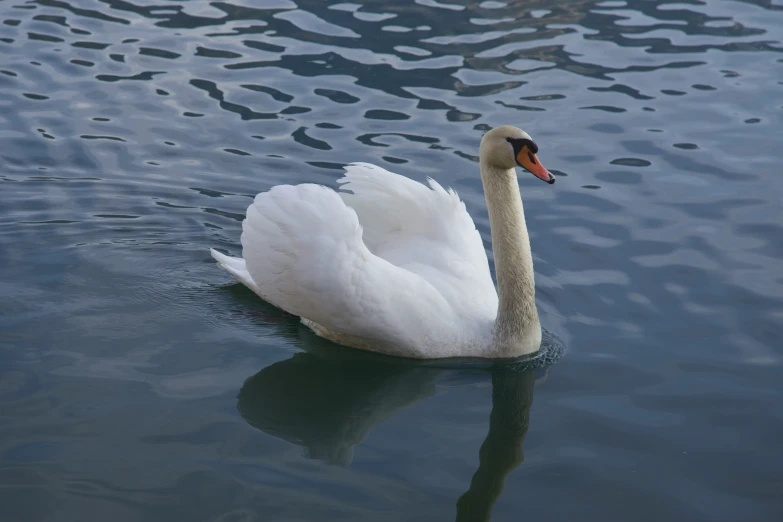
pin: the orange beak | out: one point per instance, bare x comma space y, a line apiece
529, 161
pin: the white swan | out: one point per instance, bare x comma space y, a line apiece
397, 267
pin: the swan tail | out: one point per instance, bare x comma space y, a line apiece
236, 267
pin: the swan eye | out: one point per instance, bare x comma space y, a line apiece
518, 143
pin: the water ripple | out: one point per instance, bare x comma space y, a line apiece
135, 134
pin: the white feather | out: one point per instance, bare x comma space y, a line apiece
401, 270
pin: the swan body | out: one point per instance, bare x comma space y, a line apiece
394, 266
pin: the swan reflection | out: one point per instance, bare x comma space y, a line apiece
328, 405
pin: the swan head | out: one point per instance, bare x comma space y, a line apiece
506, 147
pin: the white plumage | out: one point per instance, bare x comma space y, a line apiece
387, 264
411, 278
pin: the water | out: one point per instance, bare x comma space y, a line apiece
138, 383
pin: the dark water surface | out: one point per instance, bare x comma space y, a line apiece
138, 383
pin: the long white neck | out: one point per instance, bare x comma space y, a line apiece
517, 330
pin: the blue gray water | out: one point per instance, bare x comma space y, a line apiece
139, 383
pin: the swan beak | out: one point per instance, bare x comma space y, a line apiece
529, 161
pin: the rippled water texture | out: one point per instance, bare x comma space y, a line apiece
138, 383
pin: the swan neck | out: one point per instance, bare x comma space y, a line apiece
517, 329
